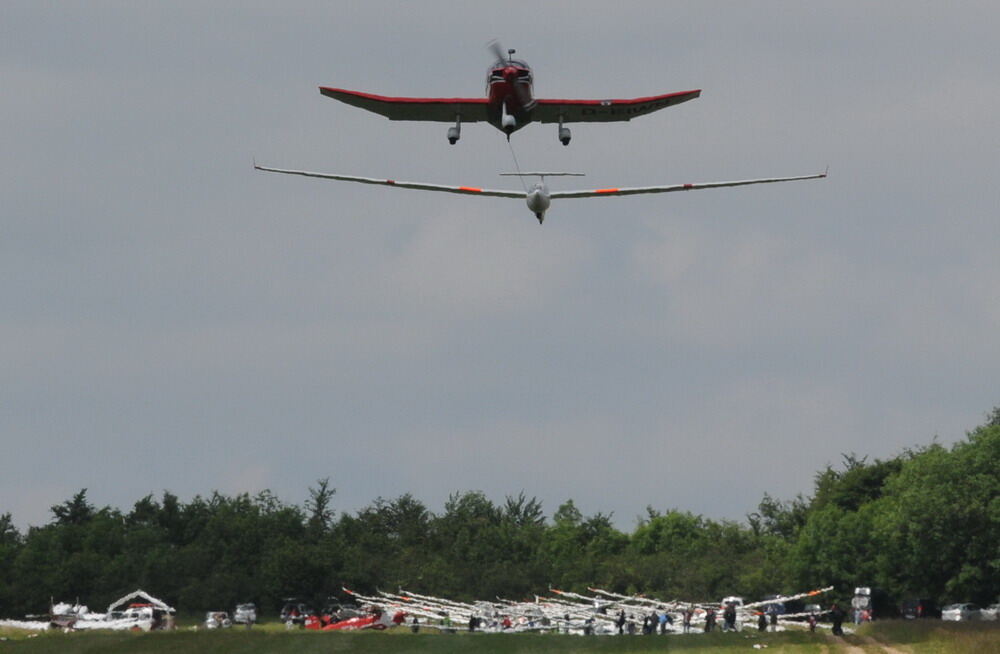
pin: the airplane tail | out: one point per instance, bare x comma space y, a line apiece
542, 174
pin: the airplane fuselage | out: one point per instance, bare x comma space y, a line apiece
539, 200
509, 93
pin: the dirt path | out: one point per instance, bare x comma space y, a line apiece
869, 643
889, 649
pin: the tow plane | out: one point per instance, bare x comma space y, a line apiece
509, 104
538, 197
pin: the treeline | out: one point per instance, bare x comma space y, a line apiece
923, 524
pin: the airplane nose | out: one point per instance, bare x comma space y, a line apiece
509, 73
538, 201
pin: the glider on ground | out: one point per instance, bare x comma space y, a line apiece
509, 104
538, 197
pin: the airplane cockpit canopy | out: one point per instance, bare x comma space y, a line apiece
503, 63
495, 71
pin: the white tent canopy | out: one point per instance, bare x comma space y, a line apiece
145, 598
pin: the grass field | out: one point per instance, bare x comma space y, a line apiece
933, 637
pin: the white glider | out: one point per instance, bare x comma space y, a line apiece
538, 197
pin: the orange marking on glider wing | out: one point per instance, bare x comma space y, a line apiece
606, 190
471, 189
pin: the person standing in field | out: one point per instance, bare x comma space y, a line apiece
729, 617
837, 617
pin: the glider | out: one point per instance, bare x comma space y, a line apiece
538, 197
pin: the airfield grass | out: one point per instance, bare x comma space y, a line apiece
932, 637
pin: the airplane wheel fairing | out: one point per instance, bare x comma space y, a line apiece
564, 135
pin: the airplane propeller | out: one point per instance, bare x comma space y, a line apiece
497, 51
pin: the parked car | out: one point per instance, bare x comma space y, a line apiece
961, 612
217, 620
295, 612
873, 603
335, 611
245, 613
919, 608
138, 612
777, 606
990, 612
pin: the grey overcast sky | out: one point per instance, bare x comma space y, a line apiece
171, 319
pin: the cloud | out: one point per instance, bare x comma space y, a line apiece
159, 295
729, 288
469, 265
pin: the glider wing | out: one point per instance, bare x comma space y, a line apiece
675, 187
463, 190
429, 109
605, 111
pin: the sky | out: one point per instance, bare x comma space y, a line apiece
171, 319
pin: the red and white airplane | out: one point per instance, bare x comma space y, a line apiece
509, 104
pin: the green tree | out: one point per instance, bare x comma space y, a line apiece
939, 523
319, 508
75, 511
10, 546
781, 519
859, 482
836, 547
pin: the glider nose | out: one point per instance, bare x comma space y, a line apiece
538, 202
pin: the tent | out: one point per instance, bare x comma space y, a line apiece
140, 596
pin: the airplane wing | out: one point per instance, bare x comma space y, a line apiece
431, 109
675, 187
464, 190
603, 111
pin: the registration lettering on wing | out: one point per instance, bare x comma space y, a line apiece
608, 108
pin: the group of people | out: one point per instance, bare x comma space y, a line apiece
493, 622
661, 621
656, 621
766, 620
728, 618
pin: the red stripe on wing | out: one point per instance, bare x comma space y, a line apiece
332, 92
693, 94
